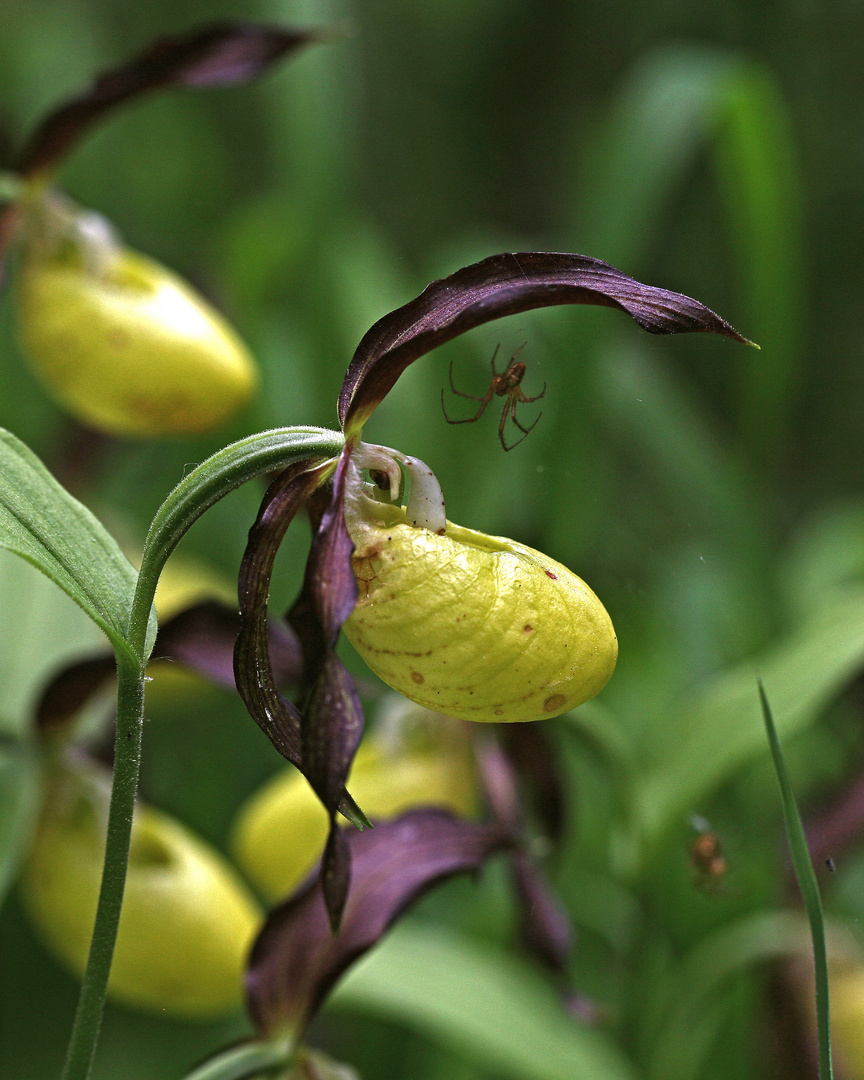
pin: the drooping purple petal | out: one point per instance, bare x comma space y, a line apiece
499, 786
203, 637
332, 717
544, 928
332, 729
219, 54
505, 285
253, 669
543, 925
296, 959
329, 588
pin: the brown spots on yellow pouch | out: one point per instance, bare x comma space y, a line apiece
118, 338
364, 570
494, 643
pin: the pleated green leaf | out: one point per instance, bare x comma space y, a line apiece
42, 523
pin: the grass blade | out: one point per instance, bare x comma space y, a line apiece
809, 889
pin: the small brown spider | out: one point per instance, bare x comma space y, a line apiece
507, 384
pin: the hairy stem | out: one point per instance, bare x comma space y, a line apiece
127, 760
196, 493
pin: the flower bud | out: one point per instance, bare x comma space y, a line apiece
187, 922
281, 831
473, 626
125, 345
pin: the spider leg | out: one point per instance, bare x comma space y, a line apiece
527, 400
501, 424
515, 354
494, 354
469, 420
471, 397
510, 410
516, 422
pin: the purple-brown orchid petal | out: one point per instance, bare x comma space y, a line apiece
543, 925
502, 285
253, 669
544, 928
500, 787
296, 959
202, 638
219, 54
329, 590
330, 720
332, 723
332, 727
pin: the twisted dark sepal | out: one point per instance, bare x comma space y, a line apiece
219, 54
505, 285
296, 959
278, 718
544, 928
321, 734
332, 717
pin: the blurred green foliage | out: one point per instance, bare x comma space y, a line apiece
711, 495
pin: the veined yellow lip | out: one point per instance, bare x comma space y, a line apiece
474, 626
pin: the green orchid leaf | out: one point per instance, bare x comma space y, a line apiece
42, 523
489, 1007
41, 631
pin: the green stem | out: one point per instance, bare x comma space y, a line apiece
197, 492
127, 758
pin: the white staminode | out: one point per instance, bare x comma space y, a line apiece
425, 506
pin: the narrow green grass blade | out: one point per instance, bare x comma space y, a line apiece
809, 889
